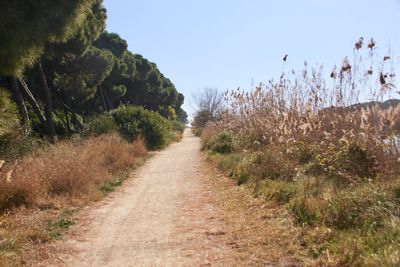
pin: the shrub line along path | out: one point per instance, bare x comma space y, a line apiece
165, 215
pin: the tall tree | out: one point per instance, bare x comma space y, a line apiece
25, 28
8, 112
23, 112
27, 25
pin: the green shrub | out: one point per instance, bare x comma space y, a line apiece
305, 210
18, 143
99, 125
273, 165
177, 126
303, 152
345, 163
136, 121
221, 143
226, 162
364, 207
355, 160
280, 191
8, 112
267, 164
372, 247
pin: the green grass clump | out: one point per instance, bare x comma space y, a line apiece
111, 185
221, 143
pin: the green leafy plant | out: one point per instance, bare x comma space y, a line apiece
99, 125
221, 143
137, 121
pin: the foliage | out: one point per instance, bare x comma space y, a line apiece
309, 146
177, 126
8, 112
200, 121
81, 77
348, 162
101, 124
17, 143
134, 122
209, 105
88, 70
27, 27
221, 143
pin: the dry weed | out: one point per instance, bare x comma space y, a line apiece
71, 168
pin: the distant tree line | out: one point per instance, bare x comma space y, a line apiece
60, 66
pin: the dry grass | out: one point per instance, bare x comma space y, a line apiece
305, 108
311, 149
207, 134
264, 233
313, 219
43, 187
71, 167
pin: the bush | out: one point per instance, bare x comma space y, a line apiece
136, 121
207, 133
18, 143
15, 194
305, 210
275, 166
365, 207
200, 121
221, 143
99, 125
355, 161
346, 163
177, 126
70, 167
280, 191
8, 112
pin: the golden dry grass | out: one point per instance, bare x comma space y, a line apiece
264, 232
322, 160
38, 199
207, 133
71, 167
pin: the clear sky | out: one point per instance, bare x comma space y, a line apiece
230, 43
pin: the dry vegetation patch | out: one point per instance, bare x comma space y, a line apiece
264, 233
307, 145
40, 192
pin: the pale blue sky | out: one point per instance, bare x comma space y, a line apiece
228, 43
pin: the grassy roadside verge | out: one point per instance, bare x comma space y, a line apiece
308, 221
46, 188
264, 234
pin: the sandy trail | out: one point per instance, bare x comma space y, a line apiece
164, 215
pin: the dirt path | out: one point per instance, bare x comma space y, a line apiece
163, 216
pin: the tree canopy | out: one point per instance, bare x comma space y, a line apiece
62, 66
27, 25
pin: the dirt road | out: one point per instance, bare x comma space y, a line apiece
164, 215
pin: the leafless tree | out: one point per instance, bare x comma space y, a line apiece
209, 100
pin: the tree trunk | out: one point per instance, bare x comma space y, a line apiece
65, 100
75, 120
49, 105
31, 99
103, 99
77, 124
110, 105
67, 120
23, 112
